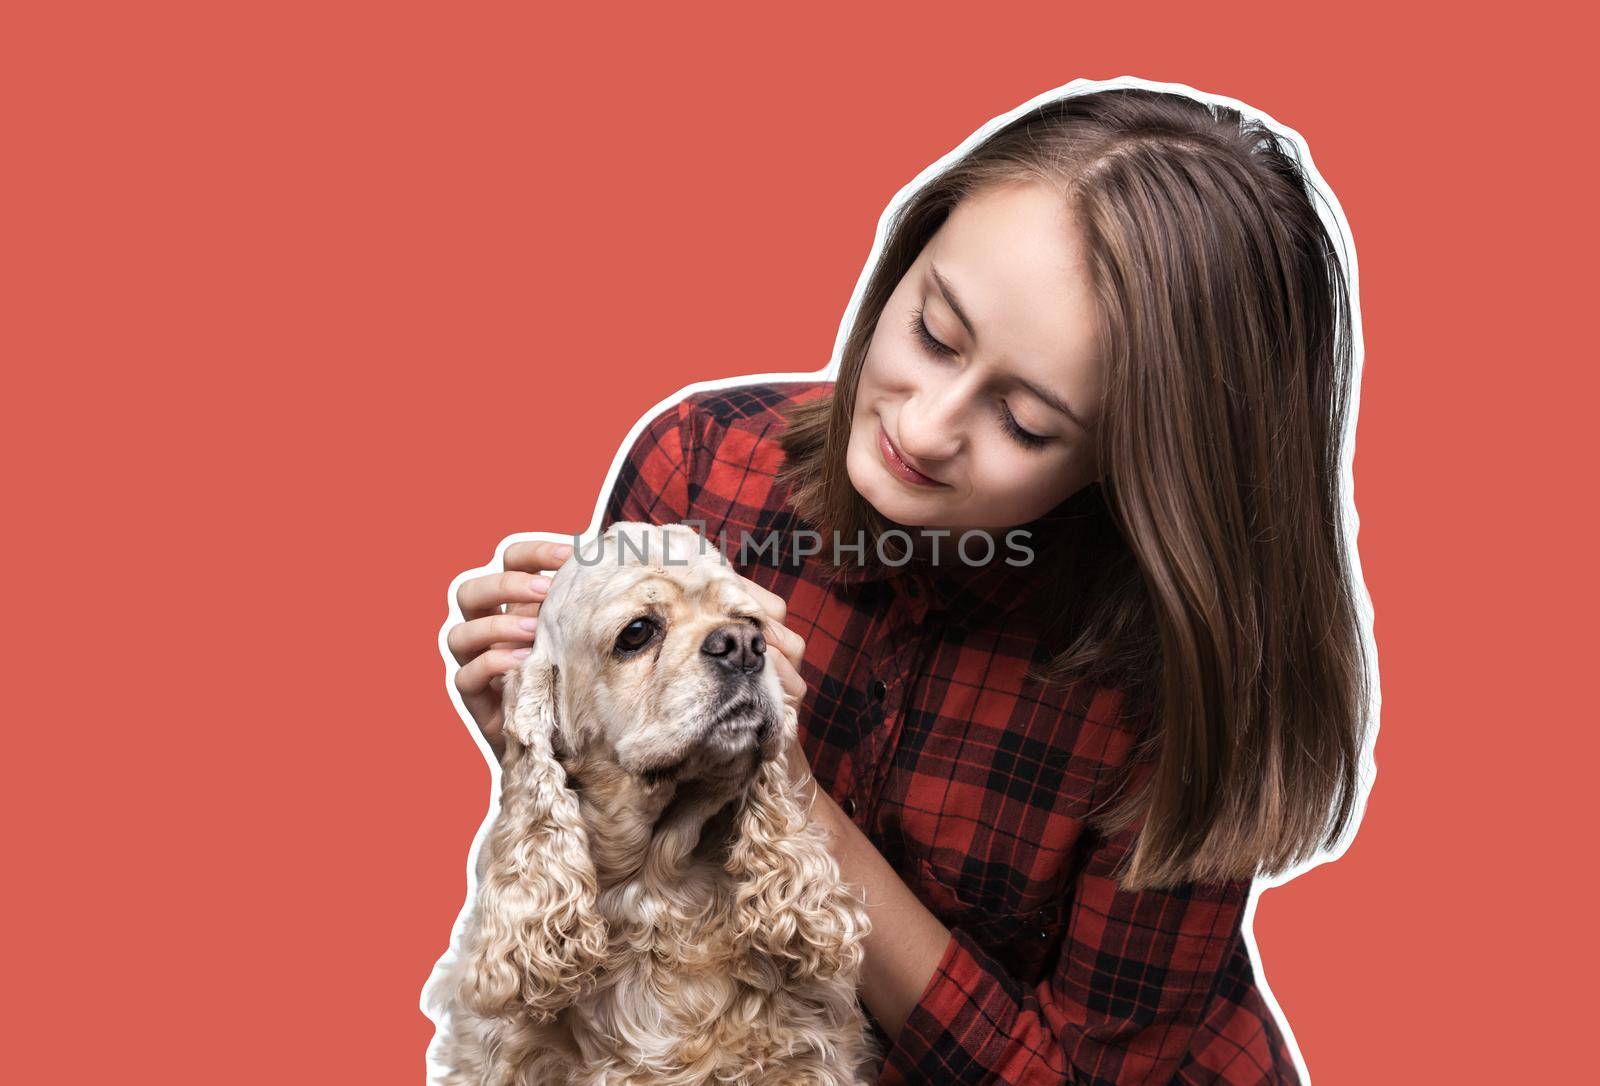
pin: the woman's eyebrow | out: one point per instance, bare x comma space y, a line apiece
950, 300
1053, 400
961, 314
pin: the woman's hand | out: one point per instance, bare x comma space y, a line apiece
490, 642
791, 648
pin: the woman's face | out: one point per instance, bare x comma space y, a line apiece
997, 416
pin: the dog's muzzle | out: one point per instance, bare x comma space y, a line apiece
738, 649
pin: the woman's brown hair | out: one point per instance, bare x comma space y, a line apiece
1210, 578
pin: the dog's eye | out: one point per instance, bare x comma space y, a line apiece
636, 635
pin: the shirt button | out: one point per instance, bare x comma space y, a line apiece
849, 806
880, 690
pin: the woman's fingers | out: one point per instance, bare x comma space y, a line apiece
485, 595
537, 555
520, 588
473, 677
500, 613
772, 603
789, 644
468, 639
794, 687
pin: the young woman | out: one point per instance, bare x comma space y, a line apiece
1108, 351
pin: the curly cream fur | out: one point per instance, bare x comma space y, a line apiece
629, 931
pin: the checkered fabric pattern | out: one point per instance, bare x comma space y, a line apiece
974, 782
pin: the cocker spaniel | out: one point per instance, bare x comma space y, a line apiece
653, 906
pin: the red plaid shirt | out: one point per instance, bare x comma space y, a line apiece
974, 782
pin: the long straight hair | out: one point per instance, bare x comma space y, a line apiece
1208, 579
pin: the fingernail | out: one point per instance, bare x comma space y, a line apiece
540, 582
520, 653
528, 623
564, 550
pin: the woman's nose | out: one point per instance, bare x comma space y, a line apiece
930, 422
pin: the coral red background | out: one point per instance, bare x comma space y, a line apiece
306, 306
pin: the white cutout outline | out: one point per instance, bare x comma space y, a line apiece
1333, 217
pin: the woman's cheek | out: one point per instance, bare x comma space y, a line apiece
1000, 497
892, 366
1014, 491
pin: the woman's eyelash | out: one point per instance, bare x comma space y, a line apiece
920, 330
1007, 420
1023, 437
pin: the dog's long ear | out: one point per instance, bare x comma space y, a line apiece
538, 936
789, 902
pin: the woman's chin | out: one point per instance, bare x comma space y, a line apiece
884, 495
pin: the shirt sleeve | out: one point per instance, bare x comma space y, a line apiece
653, 485
1132, 981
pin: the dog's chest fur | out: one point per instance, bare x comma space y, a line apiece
676, 1002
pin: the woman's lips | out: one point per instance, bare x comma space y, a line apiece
899, 467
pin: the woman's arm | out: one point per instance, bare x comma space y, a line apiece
906, 940
1133, 979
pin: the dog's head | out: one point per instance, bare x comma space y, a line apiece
650, 669
652, 650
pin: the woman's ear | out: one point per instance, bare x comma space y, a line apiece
536, 937
789, 903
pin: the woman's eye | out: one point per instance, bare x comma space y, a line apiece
1025, 438
636, 635
1008, 422
925, 337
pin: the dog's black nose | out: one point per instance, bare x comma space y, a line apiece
737, 647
